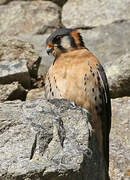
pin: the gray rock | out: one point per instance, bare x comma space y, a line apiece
109, 42
30, 16
35, 94
58, 2
14, 55
120, 139
12, 49
94, 12
39, 43
48, 140
14, 71
118, 73
12, 92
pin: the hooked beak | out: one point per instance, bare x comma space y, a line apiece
49, 50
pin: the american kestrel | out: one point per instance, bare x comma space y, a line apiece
77, 75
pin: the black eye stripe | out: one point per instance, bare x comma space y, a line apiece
57, 40
61, 48
81, 40
73, 44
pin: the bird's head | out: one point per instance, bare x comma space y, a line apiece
63, 40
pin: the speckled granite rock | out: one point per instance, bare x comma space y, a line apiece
94, 12
108, 42
118, 73
120, 139
17, 61
47, 140
12, 92
59, 2
13, 49
14, 71
27, 16
35, 94
39, 43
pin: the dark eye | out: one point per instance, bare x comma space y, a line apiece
57, 39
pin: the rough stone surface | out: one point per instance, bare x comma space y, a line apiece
59, 2
109, 42
47, 140
14, 71
39, 43
94, 12
35, 94
120, 139
13, 49
12, 92
26, 16
118, 73
23, 53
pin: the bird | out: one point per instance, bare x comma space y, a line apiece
78, 76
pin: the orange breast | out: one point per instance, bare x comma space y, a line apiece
74, 75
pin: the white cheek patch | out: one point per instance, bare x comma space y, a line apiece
65, 42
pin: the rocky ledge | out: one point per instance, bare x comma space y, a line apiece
48, 140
